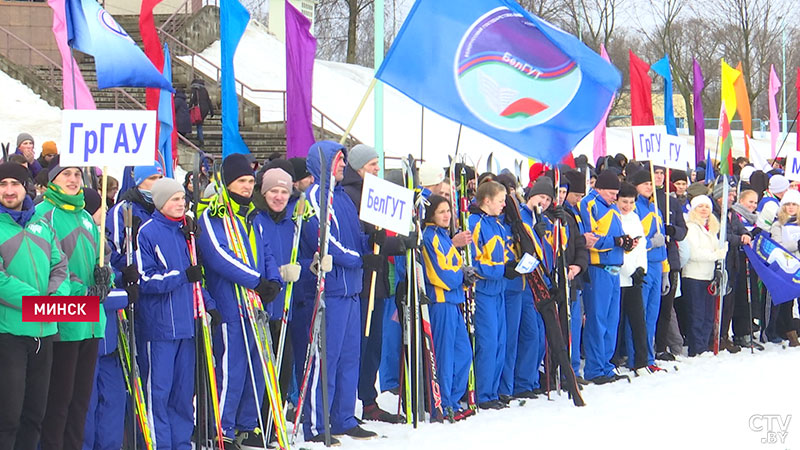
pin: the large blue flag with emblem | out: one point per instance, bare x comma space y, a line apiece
494, 67
117, 59
777, 268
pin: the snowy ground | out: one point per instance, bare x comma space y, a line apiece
710, 402
21, 110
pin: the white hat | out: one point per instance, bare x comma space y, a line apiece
430, 174
791, 196
700, 200
778, 184
746, 172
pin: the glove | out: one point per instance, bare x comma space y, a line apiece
638, 277
133, 293
670, 230
327, 264
290, 272
215, 316
194, 273
267, 290
624, 241
189, 227
658, 240
377, 237
99, 290
510, 271
102, 275
561, 214
372, 262
720, 253
411, 241
754, 232
135, 224
540, 228
130, 275
717, 274
665, 284
470, 275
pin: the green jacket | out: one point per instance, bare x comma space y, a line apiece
79, 238
31, 263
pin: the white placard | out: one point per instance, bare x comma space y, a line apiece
793, 165
386, 205
647, 143
791, 234
107, 138
678, 154
527, 264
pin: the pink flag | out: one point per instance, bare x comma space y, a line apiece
600, 130
76, 93
774, 87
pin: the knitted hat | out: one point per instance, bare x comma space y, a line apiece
360, 155
639, 177
778, 184
234, 167
163, 189
91, 200
676, 175
607, 180
627, 190
746, 172
430, 174
543, 185
700, 200
15, 171
279, 163
49, 148
55, 168
697, 188
576, 182
22, 137
717, 191
276, 177
535, 171
300, 169
791, 196
141, 173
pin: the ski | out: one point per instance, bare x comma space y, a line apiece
723, 283
468, 307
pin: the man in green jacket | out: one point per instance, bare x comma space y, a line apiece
31, 263
75, 355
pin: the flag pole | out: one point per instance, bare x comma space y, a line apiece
378, 59
358, 111
786, 136
103, 190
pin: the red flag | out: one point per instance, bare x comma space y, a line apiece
152, 47
641, 103
568, 160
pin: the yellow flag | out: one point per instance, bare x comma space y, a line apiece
729, 77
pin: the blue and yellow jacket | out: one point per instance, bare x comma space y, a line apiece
577, 215
652, 223
604, 221
443, 276
512, 254
488, 251
541, 248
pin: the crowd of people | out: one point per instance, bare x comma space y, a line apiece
632, 252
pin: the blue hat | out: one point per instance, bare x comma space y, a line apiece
141, 173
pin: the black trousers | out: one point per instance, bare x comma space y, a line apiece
24, 380
71, 382
783, 320
665, 312
633, 313
744, 307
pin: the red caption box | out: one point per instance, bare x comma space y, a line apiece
79, 308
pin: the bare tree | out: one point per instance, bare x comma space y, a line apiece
594, 21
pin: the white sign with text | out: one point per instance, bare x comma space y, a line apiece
652, 143
386, 205
107, 138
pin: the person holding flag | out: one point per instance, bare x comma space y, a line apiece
75, 355
784, 231
240, 392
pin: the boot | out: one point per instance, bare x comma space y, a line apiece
726, 344
373, 412
792, 337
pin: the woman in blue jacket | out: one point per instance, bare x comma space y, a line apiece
444, 282
488, 247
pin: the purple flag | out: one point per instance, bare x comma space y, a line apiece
699, 124
301, 47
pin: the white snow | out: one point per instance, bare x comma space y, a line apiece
22, 110
710, 402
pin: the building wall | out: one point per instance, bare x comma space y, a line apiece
277, 15
32, 22
115, 7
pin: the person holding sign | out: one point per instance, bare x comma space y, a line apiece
363, 160
602, 295
26, 348
445, 278
75, 355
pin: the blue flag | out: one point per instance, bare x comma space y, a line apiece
494, 67
165, 119
233, 18
661, 67
710, 176
118, 60
777, 268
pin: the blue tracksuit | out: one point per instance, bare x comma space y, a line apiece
444, 285
115, 224
240, 405
343, 286
107, 404
524, 326
392, 336
602, 292
652, 223
165, 329
576, 307
489, 258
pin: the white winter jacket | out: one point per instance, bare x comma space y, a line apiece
637, 257
777, 235
705, 252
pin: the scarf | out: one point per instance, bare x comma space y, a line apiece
747, 215
56, 195
23, 216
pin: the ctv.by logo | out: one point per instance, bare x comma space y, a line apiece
774, 427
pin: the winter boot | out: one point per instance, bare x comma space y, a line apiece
726, 344
665, 356
374, 412
320, 438
463, 414
251, 439
746, 342
792, 337
359, 433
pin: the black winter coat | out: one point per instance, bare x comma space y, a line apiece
677, 220
200, 98
183, 123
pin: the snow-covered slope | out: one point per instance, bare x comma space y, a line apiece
21, 110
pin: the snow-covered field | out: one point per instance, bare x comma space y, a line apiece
21, 110
722, 402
